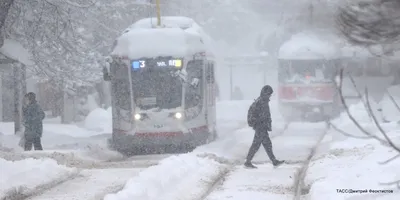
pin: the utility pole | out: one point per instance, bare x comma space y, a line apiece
23, 79
311, 12
231, 81
1, 94
158, 13
17, 98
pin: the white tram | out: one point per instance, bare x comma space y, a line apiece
163, 86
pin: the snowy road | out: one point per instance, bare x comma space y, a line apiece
212, 171
93, 178
267, 182
90, 184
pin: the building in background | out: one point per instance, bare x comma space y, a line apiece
14, 59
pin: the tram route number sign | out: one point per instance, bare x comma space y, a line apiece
139, 64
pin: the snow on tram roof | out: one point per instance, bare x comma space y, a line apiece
153, 42
310, 45
185, 23
166, 21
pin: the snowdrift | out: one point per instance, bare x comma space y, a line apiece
354, 167
310, 45
176, 177
351, 163
25, 176
99, 120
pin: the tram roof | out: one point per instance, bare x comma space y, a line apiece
185, 23
166, 21
139, 42
310, 45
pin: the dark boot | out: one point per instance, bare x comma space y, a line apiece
37, 144
276, 163
250, 165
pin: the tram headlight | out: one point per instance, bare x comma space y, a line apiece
178, 115
138, 116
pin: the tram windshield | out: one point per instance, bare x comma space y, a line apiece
154, 84
310, 71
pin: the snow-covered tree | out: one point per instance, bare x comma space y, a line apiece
371, 23
69, 39
4, 8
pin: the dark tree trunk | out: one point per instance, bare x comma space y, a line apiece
5, 5
17, 98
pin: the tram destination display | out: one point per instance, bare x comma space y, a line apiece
171, 63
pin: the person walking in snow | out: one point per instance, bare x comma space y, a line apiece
259, 118
237, 94
33, 116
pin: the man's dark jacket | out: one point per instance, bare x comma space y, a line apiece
264, 120
33, 117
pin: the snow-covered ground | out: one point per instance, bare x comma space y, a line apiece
20, 178
353, 164
90, 184
266, 182
214, 171
56, 136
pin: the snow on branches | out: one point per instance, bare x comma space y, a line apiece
4, 8
69, 39
383, 137
371, 22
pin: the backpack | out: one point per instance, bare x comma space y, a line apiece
252, 114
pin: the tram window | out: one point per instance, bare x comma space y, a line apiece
283, 72
193, 93
320, 70
194, 68
121, 92
210, 73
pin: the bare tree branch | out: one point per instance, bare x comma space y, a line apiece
390, 160
347, 134
344, 103
370, 22
392, 100
72, 3
387, 141
383, 132
397, 183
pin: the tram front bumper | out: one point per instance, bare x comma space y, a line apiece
139, 140
293, 111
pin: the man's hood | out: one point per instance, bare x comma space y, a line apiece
266, 92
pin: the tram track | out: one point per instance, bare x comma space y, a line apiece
230, 167
89, 172
91, 180
298, 188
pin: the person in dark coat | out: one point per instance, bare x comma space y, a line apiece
237, 94
262, 126
33, 116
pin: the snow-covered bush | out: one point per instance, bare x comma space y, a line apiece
99, 120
